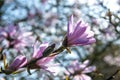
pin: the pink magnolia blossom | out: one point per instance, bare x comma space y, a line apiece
79, 70
17, 63
78, 34
38, 54
15, 38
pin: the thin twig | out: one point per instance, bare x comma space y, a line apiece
112, 76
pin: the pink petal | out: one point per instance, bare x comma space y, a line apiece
18, 62
38, 51
89, 69
84, 77
77, 33
70, 26
79, 42
90, 34
44, 60
77, 77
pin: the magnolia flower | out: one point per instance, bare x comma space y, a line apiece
14, 37
79, 70
78, 34
39, 60
17, 63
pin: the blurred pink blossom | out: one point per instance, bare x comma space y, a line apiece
79, 70
15, 38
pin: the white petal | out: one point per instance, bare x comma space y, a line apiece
85, 77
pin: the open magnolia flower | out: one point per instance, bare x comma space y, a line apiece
17, 63
78, 34
78, 70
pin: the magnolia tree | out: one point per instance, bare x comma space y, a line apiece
59, 40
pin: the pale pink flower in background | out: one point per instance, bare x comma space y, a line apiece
15, 38
78, 34
79, 70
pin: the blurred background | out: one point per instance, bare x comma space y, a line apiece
47, 21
